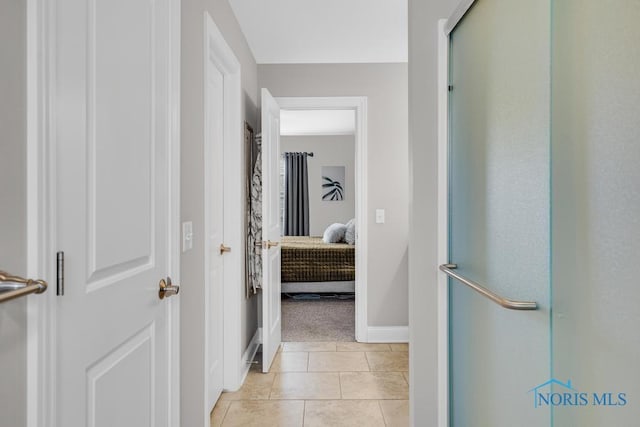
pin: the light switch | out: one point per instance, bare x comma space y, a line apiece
379, 216
187, 236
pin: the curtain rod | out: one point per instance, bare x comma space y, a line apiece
308, 153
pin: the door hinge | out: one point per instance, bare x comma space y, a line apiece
60, 273
450, 87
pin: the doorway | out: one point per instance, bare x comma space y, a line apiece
358, 105
223, 206
317, 210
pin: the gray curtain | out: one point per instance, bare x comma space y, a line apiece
296, 195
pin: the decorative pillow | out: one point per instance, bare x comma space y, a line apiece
350, 233
334, 233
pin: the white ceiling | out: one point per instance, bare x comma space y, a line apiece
317, 122
324, 31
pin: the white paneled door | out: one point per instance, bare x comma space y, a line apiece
112, 116
271, 311
215, 247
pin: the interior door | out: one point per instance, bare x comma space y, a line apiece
215, 249
111, 112
271, 310
499, 212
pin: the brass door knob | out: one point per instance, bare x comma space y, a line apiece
224, 248
269, 244
167, 289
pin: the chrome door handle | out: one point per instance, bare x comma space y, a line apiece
504, 302
14, 286
224, 248
167, 289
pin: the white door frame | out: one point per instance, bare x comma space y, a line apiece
218, 54
443, 224
41, 212
359, 105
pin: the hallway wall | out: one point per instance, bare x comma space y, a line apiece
385, 85
13, 199
191, 187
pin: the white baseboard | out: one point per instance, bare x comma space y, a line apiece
250, 353
388, 334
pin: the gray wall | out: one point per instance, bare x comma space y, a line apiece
192, 182
336, 150
13, 227
385, 85
423, 19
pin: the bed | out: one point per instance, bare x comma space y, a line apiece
310, 265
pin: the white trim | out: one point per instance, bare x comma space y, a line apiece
388, 334
457, 15
218, 54
443, 224
359, 105
317, 133
250, 354
173, 129
41, 342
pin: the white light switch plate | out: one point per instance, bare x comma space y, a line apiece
187, 236
379, 216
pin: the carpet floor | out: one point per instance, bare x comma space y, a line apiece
318, 320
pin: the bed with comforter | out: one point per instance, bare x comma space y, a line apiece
310, 265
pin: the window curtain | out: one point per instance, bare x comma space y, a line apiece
296, 195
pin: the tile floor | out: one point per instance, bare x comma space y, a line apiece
323, 384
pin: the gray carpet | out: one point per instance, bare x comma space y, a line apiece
318, 320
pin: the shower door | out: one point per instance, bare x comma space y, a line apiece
596, 210
544, 208
499, 160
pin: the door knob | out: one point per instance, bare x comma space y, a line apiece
167, 289
269, 244
224, 248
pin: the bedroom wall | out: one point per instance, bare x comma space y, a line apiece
192, 181
385, 86
423, 259
328, 150
13, 225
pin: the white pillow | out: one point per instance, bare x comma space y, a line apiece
334, 233
350, 233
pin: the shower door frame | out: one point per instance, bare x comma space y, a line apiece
445, 26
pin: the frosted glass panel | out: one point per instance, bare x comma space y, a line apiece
596, 208
499, 211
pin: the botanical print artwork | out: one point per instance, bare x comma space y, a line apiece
333, 183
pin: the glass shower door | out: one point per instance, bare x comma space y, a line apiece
499, 201
596, 211
544, 206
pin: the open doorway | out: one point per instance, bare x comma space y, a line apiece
270, 223
317, 201
348, 292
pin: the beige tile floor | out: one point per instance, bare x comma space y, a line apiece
323, 384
